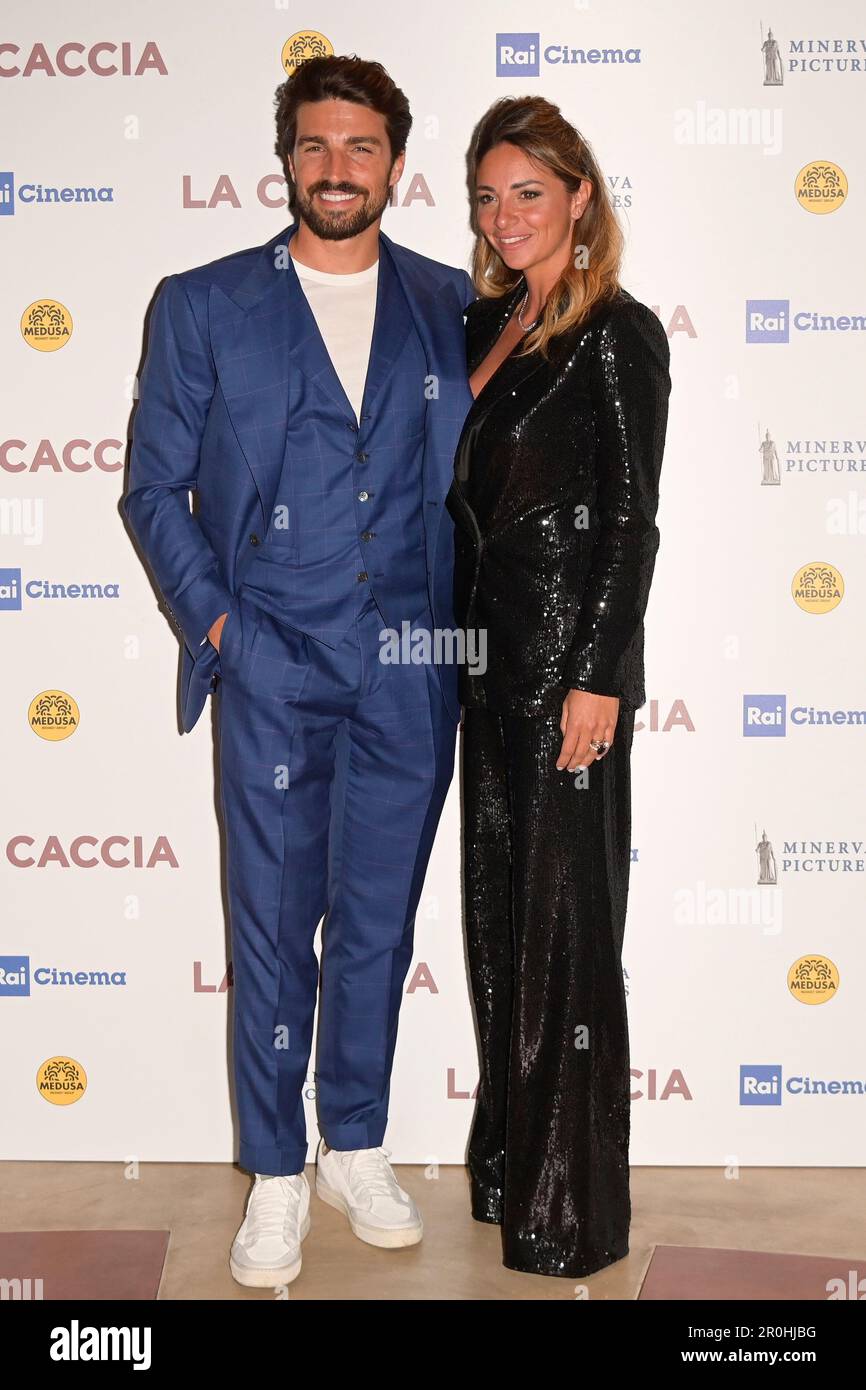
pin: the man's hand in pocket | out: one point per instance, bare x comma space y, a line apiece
215, 630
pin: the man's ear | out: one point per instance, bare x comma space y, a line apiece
397, 169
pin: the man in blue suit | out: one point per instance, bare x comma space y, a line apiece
311, 391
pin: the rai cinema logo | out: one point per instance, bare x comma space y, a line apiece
303, 46
46, 325
61, 1080
53, 715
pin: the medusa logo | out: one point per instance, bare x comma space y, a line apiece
61, 1080
821, 187
818, 587
813, 979
303, 46
53, 715
46, 325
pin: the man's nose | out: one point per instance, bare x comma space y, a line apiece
335, 169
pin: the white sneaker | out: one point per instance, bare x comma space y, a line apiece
267, 1249
361, 1183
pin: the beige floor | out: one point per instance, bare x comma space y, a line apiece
807, 1211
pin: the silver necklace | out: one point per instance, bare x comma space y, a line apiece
527, 327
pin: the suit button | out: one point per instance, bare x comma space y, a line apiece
367, 535
254, 540
362, 574
362, 457
363, 496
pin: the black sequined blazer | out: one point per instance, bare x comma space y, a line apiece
554, 502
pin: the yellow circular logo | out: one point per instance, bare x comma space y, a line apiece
303, 46
61, 1080
46, 325
817, 587
821, 187
813, 979
53, 715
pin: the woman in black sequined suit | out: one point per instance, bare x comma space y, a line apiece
554, 502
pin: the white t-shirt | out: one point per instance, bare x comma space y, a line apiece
344, 307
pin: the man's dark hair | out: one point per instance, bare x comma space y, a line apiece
339, 78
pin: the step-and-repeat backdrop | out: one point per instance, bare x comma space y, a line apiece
138, 141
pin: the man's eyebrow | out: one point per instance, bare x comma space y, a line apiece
349, 139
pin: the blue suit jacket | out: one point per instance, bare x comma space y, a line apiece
225, 341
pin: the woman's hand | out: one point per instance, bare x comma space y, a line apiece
585, 717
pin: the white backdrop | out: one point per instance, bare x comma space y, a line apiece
704, 158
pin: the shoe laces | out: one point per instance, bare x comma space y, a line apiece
270, 1212
375, 1173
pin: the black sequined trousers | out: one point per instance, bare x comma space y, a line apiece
545, 876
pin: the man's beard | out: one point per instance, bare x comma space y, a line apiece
347, 224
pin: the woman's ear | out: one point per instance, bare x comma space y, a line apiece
580, 199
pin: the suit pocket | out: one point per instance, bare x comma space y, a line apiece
228, 632
281, 552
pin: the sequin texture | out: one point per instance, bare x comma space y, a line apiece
554, 502
545, 877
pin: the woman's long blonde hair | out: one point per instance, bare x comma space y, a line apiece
538, 127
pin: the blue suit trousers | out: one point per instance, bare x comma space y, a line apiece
333, 770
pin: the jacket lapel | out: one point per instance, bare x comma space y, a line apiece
514, 370
490, 319
438, 315
390, 329
264, 331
